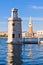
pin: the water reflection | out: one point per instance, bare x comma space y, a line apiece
14, 54
25, 54
30, 54
30, 50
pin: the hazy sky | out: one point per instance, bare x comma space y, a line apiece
26, 8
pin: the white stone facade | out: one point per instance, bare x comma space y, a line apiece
14, 27
40, 33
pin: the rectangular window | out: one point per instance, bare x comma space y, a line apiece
13, 35
19, 35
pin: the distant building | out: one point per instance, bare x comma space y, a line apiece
28, 33
30, 29
24, 34
39, 33
35, 34
3, 34
14, 27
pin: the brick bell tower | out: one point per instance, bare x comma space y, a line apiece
30, 28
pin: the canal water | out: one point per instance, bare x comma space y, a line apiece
25, 54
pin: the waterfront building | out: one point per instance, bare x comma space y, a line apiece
3, 34
28, 33
40, 33
24, 34
14, 27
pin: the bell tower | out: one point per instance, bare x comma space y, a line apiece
30, 27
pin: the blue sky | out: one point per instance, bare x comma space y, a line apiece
26, 8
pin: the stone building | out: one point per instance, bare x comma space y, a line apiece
24, 34
39, 33
14, 27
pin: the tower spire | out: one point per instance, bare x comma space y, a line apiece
30, 21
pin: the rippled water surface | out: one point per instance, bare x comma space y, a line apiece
26, 54
3, 51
